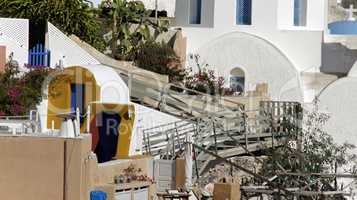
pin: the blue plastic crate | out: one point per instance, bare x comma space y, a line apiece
98, 195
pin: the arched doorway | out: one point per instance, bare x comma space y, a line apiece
237, 79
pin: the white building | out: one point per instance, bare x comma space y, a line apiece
285, 43
14, 34
271, 41
161, 5
65, 52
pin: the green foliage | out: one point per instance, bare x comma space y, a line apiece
319, 154
160, 58
71, 16
347, 3
204, 80
19, 93
131, 26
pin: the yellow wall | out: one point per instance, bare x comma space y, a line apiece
126, 124
59, 92
59, 101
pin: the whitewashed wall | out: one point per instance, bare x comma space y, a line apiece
14, 34
63, 48
182, 13
353, 71
261, 61
339, 101
266, 19
168, 5
146, 118
315, 15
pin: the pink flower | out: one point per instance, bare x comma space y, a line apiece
13, 92
16, 109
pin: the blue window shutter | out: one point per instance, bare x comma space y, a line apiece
195, 11
296, 12
244, 12
300, 12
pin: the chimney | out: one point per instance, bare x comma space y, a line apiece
2, 58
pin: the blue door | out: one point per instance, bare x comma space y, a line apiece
77, 97
108, 124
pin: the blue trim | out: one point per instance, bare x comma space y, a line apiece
195, 11
39, 56
300, 9
77, 97
297, 12
244, 12
343, 28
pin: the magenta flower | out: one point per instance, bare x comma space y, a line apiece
16, 109
13, 92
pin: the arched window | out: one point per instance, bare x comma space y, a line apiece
237, 79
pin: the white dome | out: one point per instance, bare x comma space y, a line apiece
340, 100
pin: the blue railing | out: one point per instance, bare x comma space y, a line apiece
39, 56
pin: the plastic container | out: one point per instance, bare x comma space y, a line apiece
98, 195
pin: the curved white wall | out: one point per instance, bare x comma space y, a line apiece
261, 61
340, 100
267, 22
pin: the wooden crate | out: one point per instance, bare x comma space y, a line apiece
226, 191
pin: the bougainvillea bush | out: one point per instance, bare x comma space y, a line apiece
205, 81
20, 91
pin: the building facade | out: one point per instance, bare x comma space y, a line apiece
267, 40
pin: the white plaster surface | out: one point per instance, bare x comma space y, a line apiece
14, 34
261, 61
271, 20
168, 5
147, 118
63, 48
339, 100
353, 71
112, 87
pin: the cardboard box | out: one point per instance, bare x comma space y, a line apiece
180, 173
226, 191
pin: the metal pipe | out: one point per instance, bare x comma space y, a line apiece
88, 118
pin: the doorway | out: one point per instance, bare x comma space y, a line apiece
108, 124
